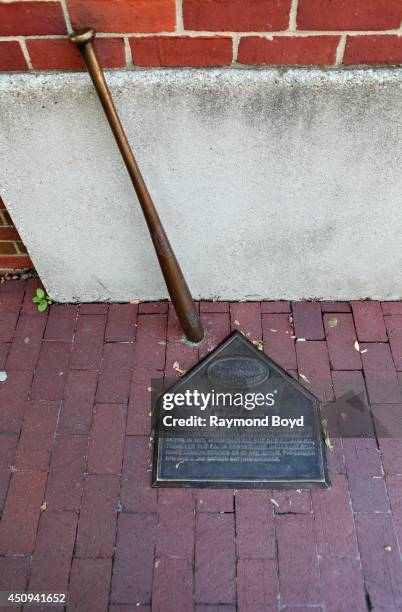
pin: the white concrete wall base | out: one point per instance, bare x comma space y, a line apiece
271, 183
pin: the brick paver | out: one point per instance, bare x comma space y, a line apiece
136, 492
97, 523
366, 482
78, 511
36, 440
394, 329
257, 585
61, 323
14, 394
176, 528
278, 336
298, 573
255, 535
218, 327
246, 316
333, 519
380, 374
380, 559
105, 452
78, 402
53, 552
66, 472
369, 321
215, 559
27, 342
134, 559
342, 585
88, 342
340, 331
51, 369
168, 572
209, 500
313, 364
121, 323
307, 320
115, 373
89, 584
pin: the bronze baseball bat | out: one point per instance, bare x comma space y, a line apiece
177, 287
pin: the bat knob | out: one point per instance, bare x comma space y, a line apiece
82, 37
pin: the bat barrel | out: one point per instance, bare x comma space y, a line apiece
179, 292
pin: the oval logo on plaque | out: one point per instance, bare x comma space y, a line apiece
238, 372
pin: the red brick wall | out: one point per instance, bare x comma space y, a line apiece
202, 32
152, 33
13, 254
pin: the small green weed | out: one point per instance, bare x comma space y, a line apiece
42, 299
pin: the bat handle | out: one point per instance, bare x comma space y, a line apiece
179, 292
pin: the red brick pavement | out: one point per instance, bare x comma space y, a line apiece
78, 512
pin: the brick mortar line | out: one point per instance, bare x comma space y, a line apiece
352, 512
383, 474
236, 557
16, 245
55, 436
340, 50
119, 505
127, 54
25, 53
66, 15
293, 16
179, 17
218, 34
235, 45
13, 469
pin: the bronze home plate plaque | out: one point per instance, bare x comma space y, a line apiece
238, 420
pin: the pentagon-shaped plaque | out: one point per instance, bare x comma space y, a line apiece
238, 420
